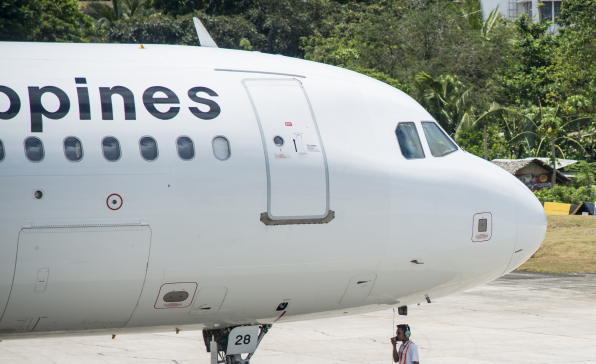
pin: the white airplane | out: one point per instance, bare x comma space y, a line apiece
152, 187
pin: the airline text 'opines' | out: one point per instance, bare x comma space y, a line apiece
38, 111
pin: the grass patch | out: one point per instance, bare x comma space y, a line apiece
569, 246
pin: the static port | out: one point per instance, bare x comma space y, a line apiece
38, 195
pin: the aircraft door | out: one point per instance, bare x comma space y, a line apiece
297, 176
77, 276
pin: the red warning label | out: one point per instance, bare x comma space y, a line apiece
288, 123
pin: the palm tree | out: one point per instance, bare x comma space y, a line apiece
445, 98
120, 9
105, 14
491, 21
534, 133
472, 10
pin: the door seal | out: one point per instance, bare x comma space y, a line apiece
267, 221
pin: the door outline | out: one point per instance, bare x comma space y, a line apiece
267, 218
82, 224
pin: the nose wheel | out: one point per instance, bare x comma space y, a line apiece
227, 345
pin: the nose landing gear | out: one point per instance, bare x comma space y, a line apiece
227, 345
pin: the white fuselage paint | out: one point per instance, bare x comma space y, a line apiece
71, 265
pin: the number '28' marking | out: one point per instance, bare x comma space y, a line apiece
240, 341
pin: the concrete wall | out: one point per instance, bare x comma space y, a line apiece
528, 8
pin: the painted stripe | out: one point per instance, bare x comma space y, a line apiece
280, 316
553, 208
404, 353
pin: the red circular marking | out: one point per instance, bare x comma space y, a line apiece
108, 202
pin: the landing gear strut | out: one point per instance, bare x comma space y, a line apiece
227, 345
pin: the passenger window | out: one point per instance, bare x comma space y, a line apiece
111, 149
185, 147
1, 151
221, 148
73, 149
34, 149
409, 142
438, 142
148, 147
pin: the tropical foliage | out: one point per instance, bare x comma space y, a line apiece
516, 86
566, 194
43, 21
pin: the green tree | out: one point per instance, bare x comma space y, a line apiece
272, 26
445, 98
107, 15
180, 7
574, 62
491, 22
472, 140
18, 19
471, 10
584, 174
526, 77
403, 38
61, 21
543, 131
231, 32
43, 21
566, 194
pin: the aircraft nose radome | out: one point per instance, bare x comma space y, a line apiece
530, 227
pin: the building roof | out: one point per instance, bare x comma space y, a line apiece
560, 163
514, 165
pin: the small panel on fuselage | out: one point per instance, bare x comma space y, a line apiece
209, 301
482, 227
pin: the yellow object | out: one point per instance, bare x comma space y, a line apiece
554, 208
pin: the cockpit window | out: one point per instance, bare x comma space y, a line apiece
438, 142
409, 142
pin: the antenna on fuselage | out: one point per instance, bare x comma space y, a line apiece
204, 38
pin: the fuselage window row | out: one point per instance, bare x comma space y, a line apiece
1, 151
110, 147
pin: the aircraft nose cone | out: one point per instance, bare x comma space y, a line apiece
530, 226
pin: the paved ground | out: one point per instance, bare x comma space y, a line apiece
520, 318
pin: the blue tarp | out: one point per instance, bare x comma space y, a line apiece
590, 208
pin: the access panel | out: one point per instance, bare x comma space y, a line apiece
77, 276
297, 176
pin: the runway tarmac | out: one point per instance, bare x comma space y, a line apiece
519, 318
